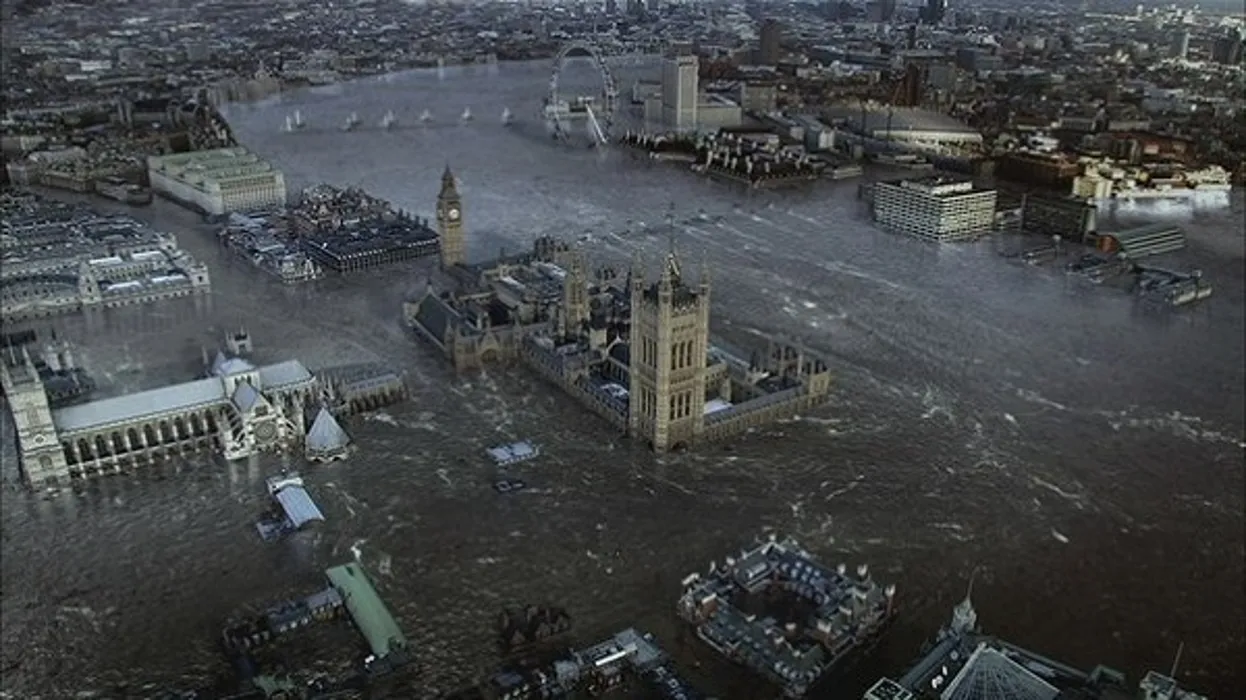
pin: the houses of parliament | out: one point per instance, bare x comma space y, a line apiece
635, 350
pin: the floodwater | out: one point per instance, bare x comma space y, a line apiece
1084, 450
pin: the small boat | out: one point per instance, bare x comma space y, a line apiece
509, 485
289, 124
467, 114
426, 117
388, 120
507, 117
351, 122
298, 120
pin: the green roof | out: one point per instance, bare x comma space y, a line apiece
371, 617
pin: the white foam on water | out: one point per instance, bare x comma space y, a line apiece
936, 404
381, 417
1176, 423
1075, 498
1061, 538
1036, 398
762, 243
1012, 420
843, 490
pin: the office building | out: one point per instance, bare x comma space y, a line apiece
1071, 218
881, 11
679, 92
218, 181
1227, 50
1181, 45
934, 208
770, 44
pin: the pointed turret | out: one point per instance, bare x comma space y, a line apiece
964, 617
326, 440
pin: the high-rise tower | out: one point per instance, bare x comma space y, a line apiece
450, 222
669, 343
770, 42
680, 91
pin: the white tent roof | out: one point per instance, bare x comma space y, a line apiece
326, 435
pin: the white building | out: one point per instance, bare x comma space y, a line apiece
717, 112
239, 409
678, 104
934, 208
680, 93
218, 181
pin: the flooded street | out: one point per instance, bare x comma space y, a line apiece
1085, 451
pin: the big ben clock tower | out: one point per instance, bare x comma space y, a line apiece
450, 222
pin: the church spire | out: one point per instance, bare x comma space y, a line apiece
964, 617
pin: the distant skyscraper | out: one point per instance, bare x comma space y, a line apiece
886, 10
1181, 44
1227, 50
679, 92
934, 11
771, 38
612, 7
653, 7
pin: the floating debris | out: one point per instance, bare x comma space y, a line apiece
514, 453
509, 485
520, 628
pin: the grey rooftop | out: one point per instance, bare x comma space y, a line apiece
169, 400
326, 435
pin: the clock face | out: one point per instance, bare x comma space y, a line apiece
453, 214
265, 431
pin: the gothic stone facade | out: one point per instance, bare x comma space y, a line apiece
238, 409
637, 353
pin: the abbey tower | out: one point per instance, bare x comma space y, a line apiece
40, 453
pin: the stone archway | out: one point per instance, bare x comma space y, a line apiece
150, 436
488, 356
85, 453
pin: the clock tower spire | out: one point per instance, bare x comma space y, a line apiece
450, 221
